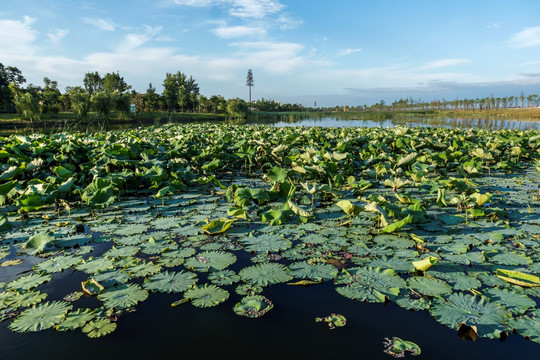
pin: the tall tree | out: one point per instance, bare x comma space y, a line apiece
50, 103
151, 98
171, 90
8, 75
113, 83
93, 83
80, 101
249, 82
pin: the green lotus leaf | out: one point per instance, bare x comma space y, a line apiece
155, 247
28, 282
111, 277
58, 264
131, 229
393, 241
11, 172
123, 251
248, 289
413, 301
206, 296
512, 301
165, 223
75, 319
276, 217
511, 258
528, 326
394, 263
218, 226
399, 348
210, 261
37, 243
98, 328
224, 277
369, 284
92, 266
429, 286
40, 317
73, 241
142, 269
463, 282
265, 243
66, 186
74, 296
348, 207
265, 274
277, 174
123, 296
470, 310
4, 222
316, 272
518, 278
170, 282
253, 306
333, 320
17, 300
397, 225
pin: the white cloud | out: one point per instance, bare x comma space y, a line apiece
444, 63
246, 9
493, 25
287, 22
103, 24
132, 41
18, 37
57, 34
526, 38
349, 51
238, 31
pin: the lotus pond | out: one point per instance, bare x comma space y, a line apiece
295, 242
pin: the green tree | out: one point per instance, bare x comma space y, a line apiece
237, 108
171, 90
80, 101
113, 83
8, 75
151, 98
50, 103
93, 83
26, 102
218, 104
101, 101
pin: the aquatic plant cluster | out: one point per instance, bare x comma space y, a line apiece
437, 220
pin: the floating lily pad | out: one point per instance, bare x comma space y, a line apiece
40, 317
265, 274
98, 328
210, 261
400, 348
123, 296
170, 282
369, 284
28, 282
253, 306
429, 286
333, 320
206, 296
75, 319
317, 272
224, 277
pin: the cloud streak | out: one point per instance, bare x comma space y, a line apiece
228, 32
103, 24
444, 63
56, 35
246, 9
527, 38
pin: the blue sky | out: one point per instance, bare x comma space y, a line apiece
333, 52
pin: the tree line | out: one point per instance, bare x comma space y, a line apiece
103, 95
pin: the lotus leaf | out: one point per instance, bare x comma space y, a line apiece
399, 348
333, 320
123, 296
248, 289
518, 278
317, 272
96, 265
511, 258
514, 302
395, 263
37, 243
17, 300
470, 310
170, 282
91, 287
131, 229
40, 317
28, 282
142, 269
369, 284
253, 306
265, 243
13, 262
210, 261
265, 274
75, 319
393, 241
58, 263
528, 326
98, 328
224, 277
429, 286
413, 301
206, 296
218, 226
111, 277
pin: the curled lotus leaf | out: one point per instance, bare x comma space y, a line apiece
399, 348
333, 320
98, 328
40, 317
265, 274
13, 262
123, 296
470, 310
91, 287
38, 243
206, 296
518, 278
253, 306
170, 282
210, 261
218, 226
